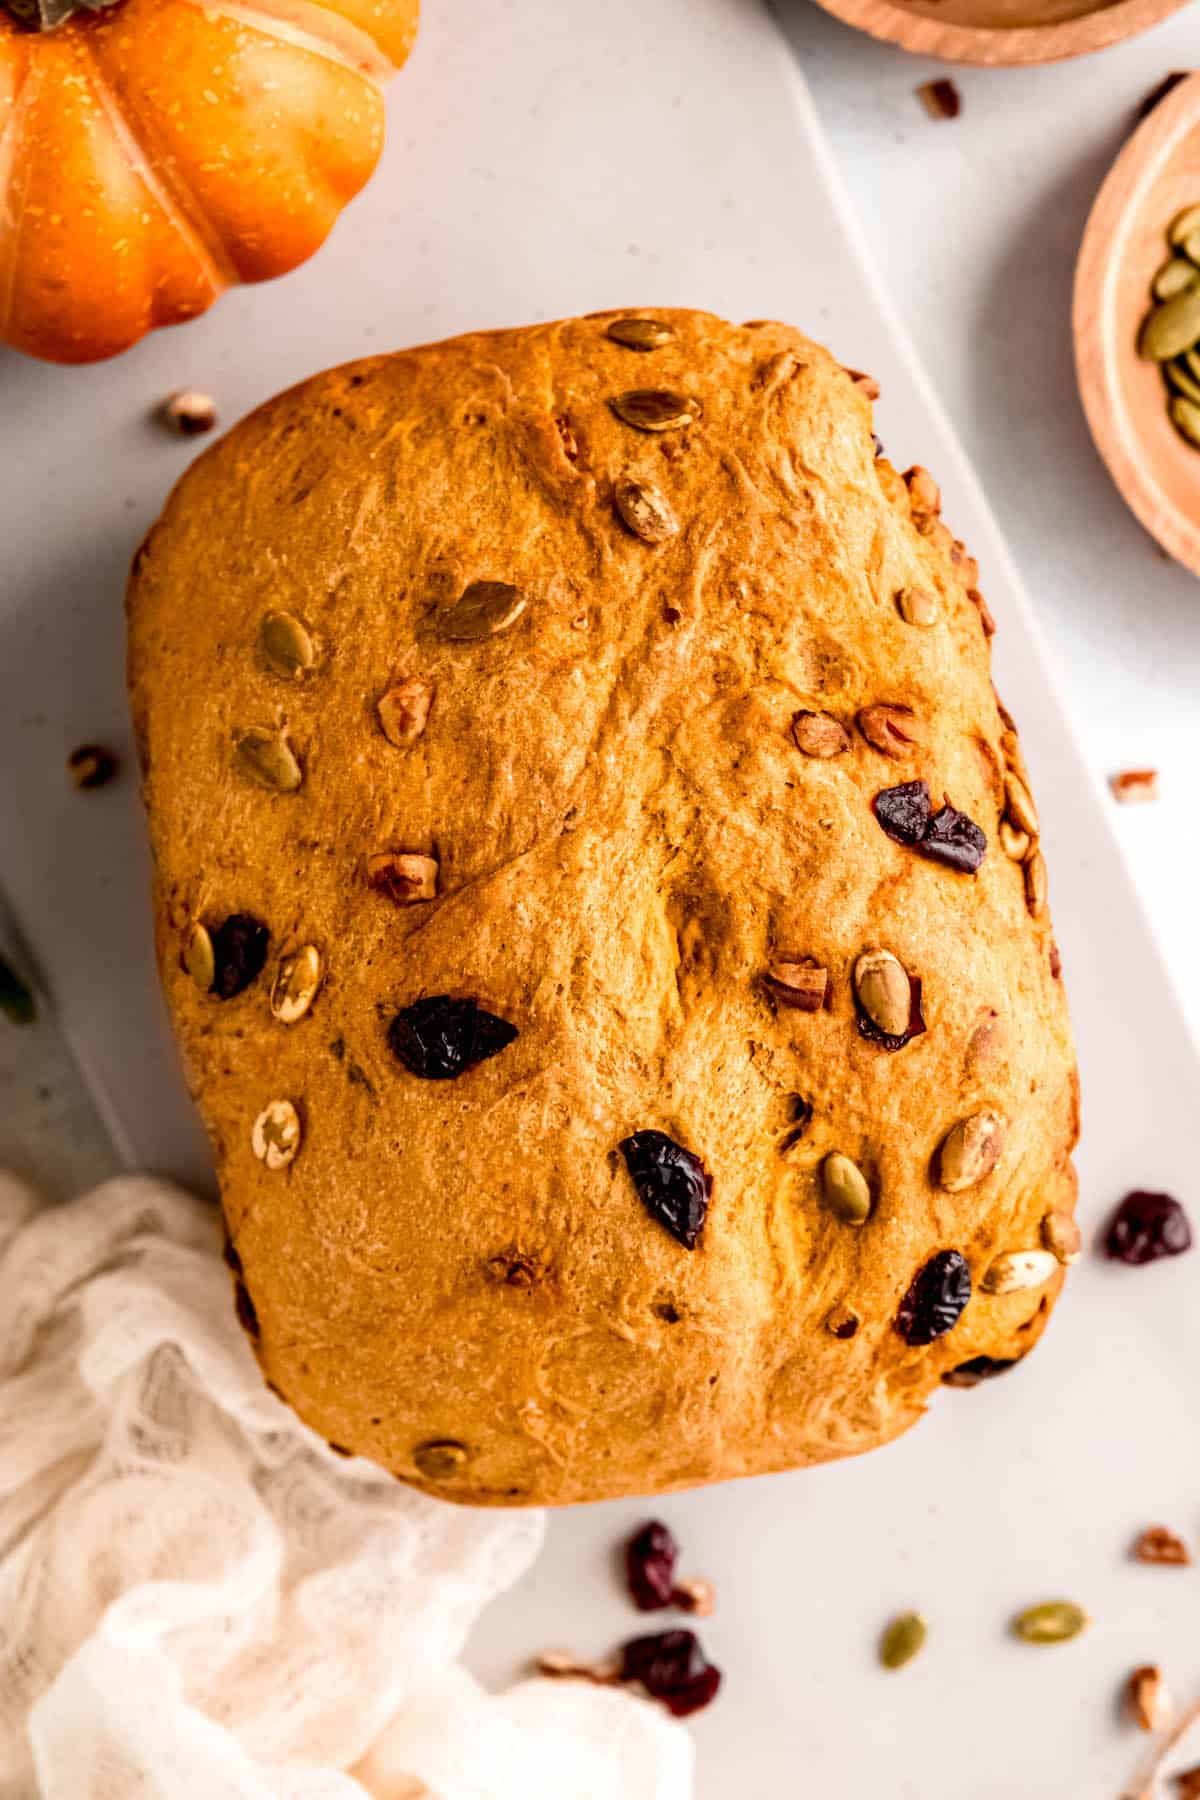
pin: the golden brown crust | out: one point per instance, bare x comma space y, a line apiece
626, 837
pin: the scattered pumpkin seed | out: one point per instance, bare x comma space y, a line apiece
1172, 327
1173, 277
655, 409
845, 1188
884, 991
1062, 1237
1185, 416
268, 758
294, 988
404, 711
198, 956
970, 1151
287, 649
275, 1137
640, 334
903, 1638
1019, 805
1035, 884
1051, 1622
440, 1459
918, 606
1015, 1270
644, 510
1184, 224
1181, 377
482, 610
1191, 359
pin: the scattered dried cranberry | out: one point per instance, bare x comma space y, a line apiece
1147, 1226
947, 836
954, 839
672, 1668
650, 1558
978, 1368
904, 811
441, 1038
239, 952
935, 1302
672, 1184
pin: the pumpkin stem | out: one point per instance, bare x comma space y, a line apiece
44, 15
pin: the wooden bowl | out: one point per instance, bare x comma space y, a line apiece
1156, 175
996, 32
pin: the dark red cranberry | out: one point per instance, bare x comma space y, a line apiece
936, 1299
947, 836
894, 1040
245, 1309
650, 1558
1147, 1226
441, 1038
979, 1368
239, 952
904, 811
955, 840
672, 1668
672, 1184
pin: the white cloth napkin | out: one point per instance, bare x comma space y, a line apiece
197, 1597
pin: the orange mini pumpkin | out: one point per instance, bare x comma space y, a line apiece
154, 152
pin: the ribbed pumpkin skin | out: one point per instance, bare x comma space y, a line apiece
154, 154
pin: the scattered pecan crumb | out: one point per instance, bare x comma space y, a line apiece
941, 99
890, 728
404, 878
188, 412
1159, 1545
1166, 86
1132, 785
800, 984
92, 766
1147, 1697
924, 496
819, 734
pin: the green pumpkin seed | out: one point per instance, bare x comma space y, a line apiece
1051, 1622
268, 759
287, 649
1185, 416
439, 1460
884, 991
1192, 360
482, 610
1191, 247
655, 409
1172, 327
846, 1190
640, 334
1182, 379
902, 1639
1184, 224
1016, 1270
198, 957
1173, 277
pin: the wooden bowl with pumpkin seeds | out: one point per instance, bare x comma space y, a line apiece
1137, 322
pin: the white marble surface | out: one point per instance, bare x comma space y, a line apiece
975, 225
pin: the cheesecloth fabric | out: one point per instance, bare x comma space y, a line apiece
197, 1597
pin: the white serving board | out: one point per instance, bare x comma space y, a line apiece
552, 157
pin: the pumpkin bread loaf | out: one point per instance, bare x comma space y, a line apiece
599, 900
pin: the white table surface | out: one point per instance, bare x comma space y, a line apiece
974, 224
